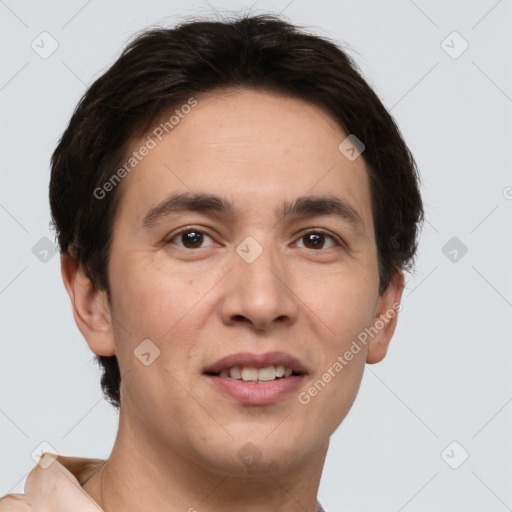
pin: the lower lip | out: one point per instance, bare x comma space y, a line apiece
254, 393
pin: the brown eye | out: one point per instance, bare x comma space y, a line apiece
192, 239
317, 239
189, 238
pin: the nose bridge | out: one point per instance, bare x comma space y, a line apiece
259, 292
257, 267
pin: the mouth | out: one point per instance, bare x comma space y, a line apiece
256, 379
252, 374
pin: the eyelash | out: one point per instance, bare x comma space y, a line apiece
186, 229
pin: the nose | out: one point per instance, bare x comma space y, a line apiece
259, 293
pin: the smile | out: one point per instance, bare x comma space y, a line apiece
256, 379
251, 374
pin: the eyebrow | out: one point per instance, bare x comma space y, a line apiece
310, 206
177, 203
305, 206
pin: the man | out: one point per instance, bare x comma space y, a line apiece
235, 209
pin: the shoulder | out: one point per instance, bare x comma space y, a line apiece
15, 503
54, 478
80, 467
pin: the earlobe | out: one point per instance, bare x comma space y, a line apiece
385, 319
91, 309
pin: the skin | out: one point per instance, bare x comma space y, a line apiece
179, 437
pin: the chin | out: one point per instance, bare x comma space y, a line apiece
259, 450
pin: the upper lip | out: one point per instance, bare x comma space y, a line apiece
246, 359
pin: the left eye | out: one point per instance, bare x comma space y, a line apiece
190, 238
316, 240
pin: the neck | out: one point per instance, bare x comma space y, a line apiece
142, 474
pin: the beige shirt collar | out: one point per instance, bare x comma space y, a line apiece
55, 484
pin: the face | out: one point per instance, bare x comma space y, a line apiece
244, 246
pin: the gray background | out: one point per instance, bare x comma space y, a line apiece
447, 376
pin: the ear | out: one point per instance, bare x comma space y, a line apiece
385, 320
90, 307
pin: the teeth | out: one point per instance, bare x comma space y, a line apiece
266, 374
234, 373
250, 374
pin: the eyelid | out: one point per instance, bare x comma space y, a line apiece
339, 241
168, 239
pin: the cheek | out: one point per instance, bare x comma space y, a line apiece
153, 300
331, 392
341, 306
342, 302
166, 306
159, 306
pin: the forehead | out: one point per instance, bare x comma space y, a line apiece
248, 146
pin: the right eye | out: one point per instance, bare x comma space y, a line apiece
189, 238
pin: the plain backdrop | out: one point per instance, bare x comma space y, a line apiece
431, 426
